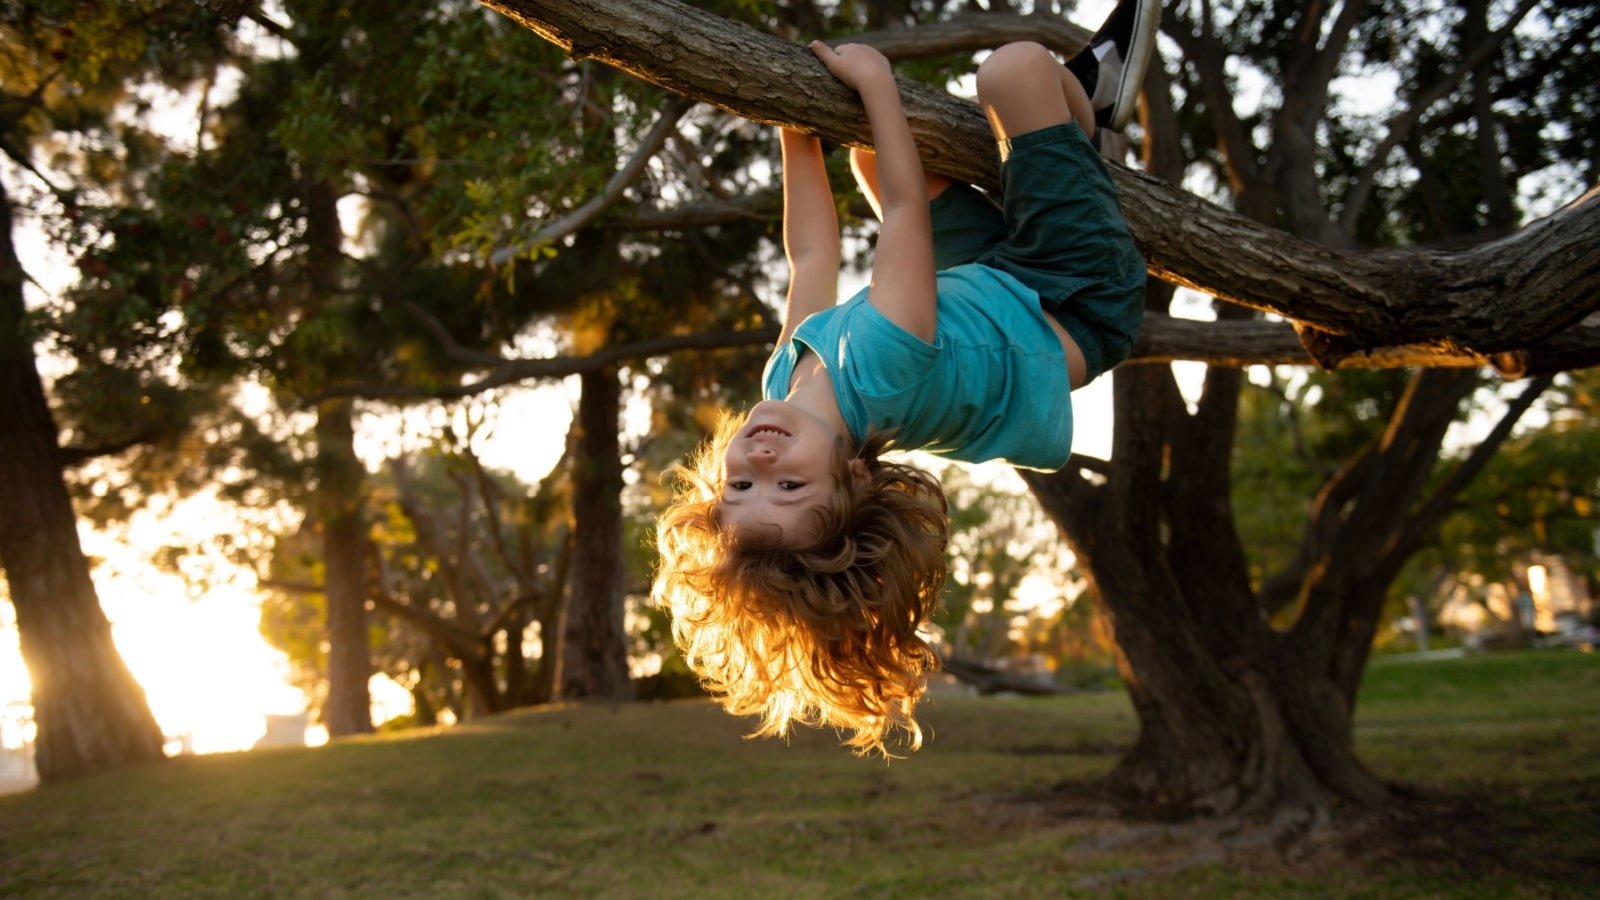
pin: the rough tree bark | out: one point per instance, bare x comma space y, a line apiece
91, 714
595, 657
1502, 297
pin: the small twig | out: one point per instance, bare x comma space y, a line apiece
452, 348
621, 181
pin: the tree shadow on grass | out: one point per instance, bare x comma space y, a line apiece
1546, 833
1542, 838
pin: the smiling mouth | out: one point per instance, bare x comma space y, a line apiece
760, 430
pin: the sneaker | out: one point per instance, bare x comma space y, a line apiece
1111, 67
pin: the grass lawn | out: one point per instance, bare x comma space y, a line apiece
667, 800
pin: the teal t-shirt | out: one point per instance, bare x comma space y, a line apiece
992, 385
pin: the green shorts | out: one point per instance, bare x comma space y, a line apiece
1059, 231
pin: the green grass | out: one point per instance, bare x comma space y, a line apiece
667, 800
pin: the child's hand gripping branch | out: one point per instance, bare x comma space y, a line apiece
903, 286
797, 564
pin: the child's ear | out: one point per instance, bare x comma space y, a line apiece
860, 478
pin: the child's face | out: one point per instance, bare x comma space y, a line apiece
779, 468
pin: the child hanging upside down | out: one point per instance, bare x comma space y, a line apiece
797, 564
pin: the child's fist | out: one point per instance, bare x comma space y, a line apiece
854, 64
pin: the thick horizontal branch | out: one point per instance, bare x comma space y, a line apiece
1162, 339
974, 31
1498, 297
1236, 344
76, 456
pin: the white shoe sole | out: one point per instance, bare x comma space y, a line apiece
1147, 21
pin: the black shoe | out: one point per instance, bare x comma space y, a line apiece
1111, 67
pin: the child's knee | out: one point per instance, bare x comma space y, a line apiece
1012, 64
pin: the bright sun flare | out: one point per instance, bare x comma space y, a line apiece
208, 675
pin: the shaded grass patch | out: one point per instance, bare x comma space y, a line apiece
669, 800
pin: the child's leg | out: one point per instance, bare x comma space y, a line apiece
1066, 236
1022, 88
864, 165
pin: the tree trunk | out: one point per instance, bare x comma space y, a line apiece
551, 613
91, 714
595, 655
1229, 724
338, 500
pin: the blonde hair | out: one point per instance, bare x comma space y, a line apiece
824, 635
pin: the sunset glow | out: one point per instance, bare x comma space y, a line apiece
209, 676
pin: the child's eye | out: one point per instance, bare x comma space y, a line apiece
738, 485
791, 485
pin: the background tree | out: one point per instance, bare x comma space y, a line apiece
1539, 495
471, 568
65, 68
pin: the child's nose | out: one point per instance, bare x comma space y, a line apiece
762, 457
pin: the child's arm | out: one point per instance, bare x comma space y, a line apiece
810, 232
903, 281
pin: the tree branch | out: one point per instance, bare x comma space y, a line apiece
585, 214
270, 26
989, 680
970, 32
77, 456
435, 540
464, 642
1497, 297
227, 10
491, 497
1202, 51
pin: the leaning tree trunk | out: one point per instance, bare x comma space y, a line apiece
595, 651
551, 614
90, 713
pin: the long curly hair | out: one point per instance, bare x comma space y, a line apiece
824, 635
